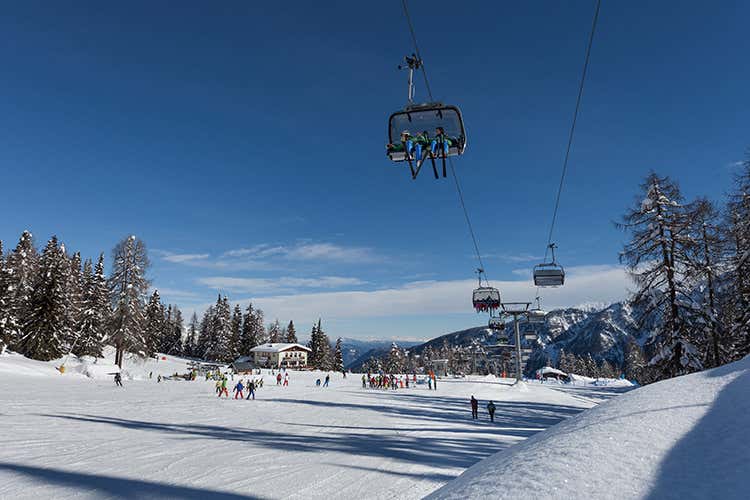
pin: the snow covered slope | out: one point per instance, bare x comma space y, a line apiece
683, 438
71, 436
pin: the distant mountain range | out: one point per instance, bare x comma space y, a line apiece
355, 349
601, 331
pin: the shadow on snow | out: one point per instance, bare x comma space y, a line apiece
115, 487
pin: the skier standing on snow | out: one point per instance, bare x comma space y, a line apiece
251, 390
238, 390
474, 408
278, 379
118, 379
491, 410
223, 388
364, 382
328, 379
286, 379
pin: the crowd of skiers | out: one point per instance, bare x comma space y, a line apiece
390, 381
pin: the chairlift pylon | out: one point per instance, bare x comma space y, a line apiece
549, 274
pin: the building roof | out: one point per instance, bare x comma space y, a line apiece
278, 347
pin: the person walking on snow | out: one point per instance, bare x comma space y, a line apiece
278, 379
364, 382
238, 390
118, 379
491, 410
328, 379
251, 389
474, 408
286, 380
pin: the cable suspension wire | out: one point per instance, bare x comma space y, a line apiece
450, 159
416, 48
573, 126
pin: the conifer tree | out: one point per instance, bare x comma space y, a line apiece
92, 325
47, 327
291, 333
274, 332
9, 327
154, 326
21, 267
190, 349
248, 338
128, 287
338, 357
206, 337
635, 363
173, 335
738, 294
75, 299
235, 341
221, 326
657, 261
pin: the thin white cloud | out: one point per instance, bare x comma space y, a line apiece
266, 285
266, 257
515, 258
584, 285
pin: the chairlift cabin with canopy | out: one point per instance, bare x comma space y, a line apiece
549, 274
424, 131
485, 298
496, 324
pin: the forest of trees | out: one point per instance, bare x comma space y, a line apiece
52, 304
690, 261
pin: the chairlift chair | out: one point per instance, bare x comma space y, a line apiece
486, 299
496, 324
549, 274
416, 119
536, 316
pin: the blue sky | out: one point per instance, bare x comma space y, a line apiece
244, 143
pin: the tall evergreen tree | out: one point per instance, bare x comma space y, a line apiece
206, 337
155, 320
248, 337
221, 329
190, 348
635, 363
274, 332
235, 341
291, 333
75, 287
173, 336
93, 322
128, 287
9, 327
22, 269
338, 357
46, 328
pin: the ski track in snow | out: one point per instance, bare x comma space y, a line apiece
66, 436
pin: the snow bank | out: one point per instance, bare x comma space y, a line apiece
681, 438
134, 367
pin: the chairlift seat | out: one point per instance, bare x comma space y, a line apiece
486, 298
496, 324
537, 316
549, 275
426, 117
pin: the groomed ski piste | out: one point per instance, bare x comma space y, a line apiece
77, 435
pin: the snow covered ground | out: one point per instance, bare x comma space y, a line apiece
683, 438
69, 435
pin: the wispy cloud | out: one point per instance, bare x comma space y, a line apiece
283, 284
266, 256
586, 284
515, 258
306, 251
